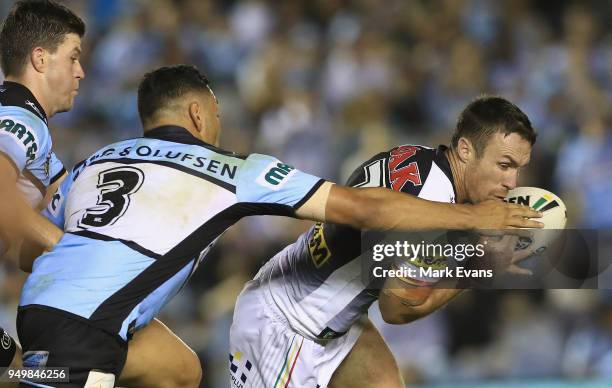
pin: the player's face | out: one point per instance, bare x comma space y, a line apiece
496, 172
64, 73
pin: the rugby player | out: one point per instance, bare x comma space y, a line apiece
302, 322
40, 49
141, 215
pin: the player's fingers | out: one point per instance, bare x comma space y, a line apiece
491, 234
520, 222
504, 245
519, 233
516, 270
522, 255
525, 211
509, 242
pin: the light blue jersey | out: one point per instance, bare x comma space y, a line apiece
140, 216
25, 140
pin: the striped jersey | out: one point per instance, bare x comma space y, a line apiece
140, 216
317, 282
25, 140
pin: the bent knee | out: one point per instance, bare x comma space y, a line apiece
191, 373
186, 373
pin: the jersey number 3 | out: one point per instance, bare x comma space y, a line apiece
115, 185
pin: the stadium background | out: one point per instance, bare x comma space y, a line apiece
325, 84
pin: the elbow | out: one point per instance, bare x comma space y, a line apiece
399, 317
25, 263
393, 318
396, 311
27, 268
27, 254
392, 312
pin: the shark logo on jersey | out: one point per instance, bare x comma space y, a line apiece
21, 132
33, 106
275, 175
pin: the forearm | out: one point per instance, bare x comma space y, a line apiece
23, 230
408, 212
384, 209
438, 298
41, 231
398, 306
43, 236
27, 232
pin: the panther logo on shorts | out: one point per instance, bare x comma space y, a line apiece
5, 341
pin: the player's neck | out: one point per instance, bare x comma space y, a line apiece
204, 136
458, 171
36, 89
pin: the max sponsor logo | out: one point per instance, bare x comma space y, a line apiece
275, 175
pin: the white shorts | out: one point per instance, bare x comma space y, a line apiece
266, 353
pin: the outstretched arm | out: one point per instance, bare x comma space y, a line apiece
383, 209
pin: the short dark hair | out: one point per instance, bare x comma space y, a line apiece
31, 24
160, 87
488, 115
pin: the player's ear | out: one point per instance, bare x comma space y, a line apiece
465, 150
39, 59
196, 115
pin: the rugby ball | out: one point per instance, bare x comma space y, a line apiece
554, 216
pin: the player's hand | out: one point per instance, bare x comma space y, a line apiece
500, 251
519, 256
500, 215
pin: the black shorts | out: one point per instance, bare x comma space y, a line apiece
7, 349
56, 338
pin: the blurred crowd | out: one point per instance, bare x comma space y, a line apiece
326, 84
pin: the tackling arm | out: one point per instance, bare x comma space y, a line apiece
383, 209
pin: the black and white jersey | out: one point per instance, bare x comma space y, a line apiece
317, 283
